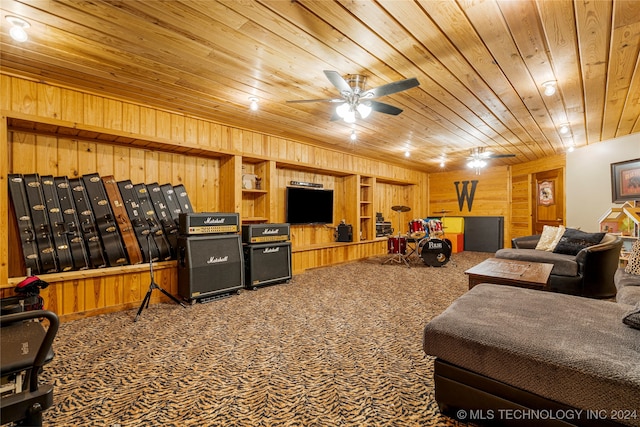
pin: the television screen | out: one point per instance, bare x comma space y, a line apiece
309, 206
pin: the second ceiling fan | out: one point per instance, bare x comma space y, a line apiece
355, 100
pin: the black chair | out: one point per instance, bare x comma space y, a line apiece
26, 347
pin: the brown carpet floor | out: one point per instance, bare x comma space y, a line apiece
337, 346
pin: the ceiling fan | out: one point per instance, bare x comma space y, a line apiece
355, 100
478, 158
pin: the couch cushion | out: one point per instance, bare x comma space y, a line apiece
632, 318
573, 241
628, 286
550, 237
563, 265
633, 263
566, 348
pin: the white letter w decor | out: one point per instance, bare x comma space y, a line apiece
464, 194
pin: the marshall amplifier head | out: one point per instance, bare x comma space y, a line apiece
208, 223
265, 233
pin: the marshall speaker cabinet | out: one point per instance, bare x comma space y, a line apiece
209, 266
267, 263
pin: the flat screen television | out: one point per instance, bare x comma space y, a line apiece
309, 206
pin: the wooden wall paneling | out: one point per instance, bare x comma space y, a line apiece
112, 114
521, 197
203, 133
148, 122
137, 173
46, 155
6, 98
135, 286
94, 293
163, 127
72, 296
48, 101
235, 139
190, 135
67, 157
121, 163
4, 197
215, 136
72, 105
24, 153
105, 159
114, 290
93, 112
24, 96
178, 128
165, 167
131, 118
87, 160
230, 193
151, 166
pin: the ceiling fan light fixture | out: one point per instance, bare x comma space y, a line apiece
549, 87
342, 110
477, 164
18, 28
350, 116
364, 110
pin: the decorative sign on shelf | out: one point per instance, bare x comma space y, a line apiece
306, 184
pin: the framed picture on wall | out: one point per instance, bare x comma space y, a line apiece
625, 181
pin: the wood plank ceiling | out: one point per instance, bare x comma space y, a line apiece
480, 64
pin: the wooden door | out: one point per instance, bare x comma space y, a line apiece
548, 199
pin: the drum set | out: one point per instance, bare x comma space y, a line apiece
425, 238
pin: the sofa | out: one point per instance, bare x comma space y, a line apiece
506, 355
513, 356
578, 268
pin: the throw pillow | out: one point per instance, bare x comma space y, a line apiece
556, 239
633, 264
547, 237
573, 241
632, 318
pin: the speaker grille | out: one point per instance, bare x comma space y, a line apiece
267, 263
209, 265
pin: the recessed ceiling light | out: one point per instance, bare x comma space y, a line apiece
407, 153
549, 87
18, 28
254, 103
564, 128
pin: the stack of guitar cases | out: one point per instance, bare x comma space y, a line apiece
89, 222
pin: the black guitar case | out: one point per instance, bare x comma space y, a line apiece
87, 224
139, 222
71, 223
169, 226
105, 221
183, 198
173, 205
25, 226
149, 213
46, 248
58, 229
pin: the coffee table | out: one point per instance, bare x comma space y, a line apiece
523, 274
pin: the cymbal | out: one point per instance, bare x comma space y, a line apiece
400, 208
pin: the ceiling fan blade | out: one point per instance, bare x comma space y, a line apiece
381, 107
300, 101
339, 82
391, 88
499, 156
